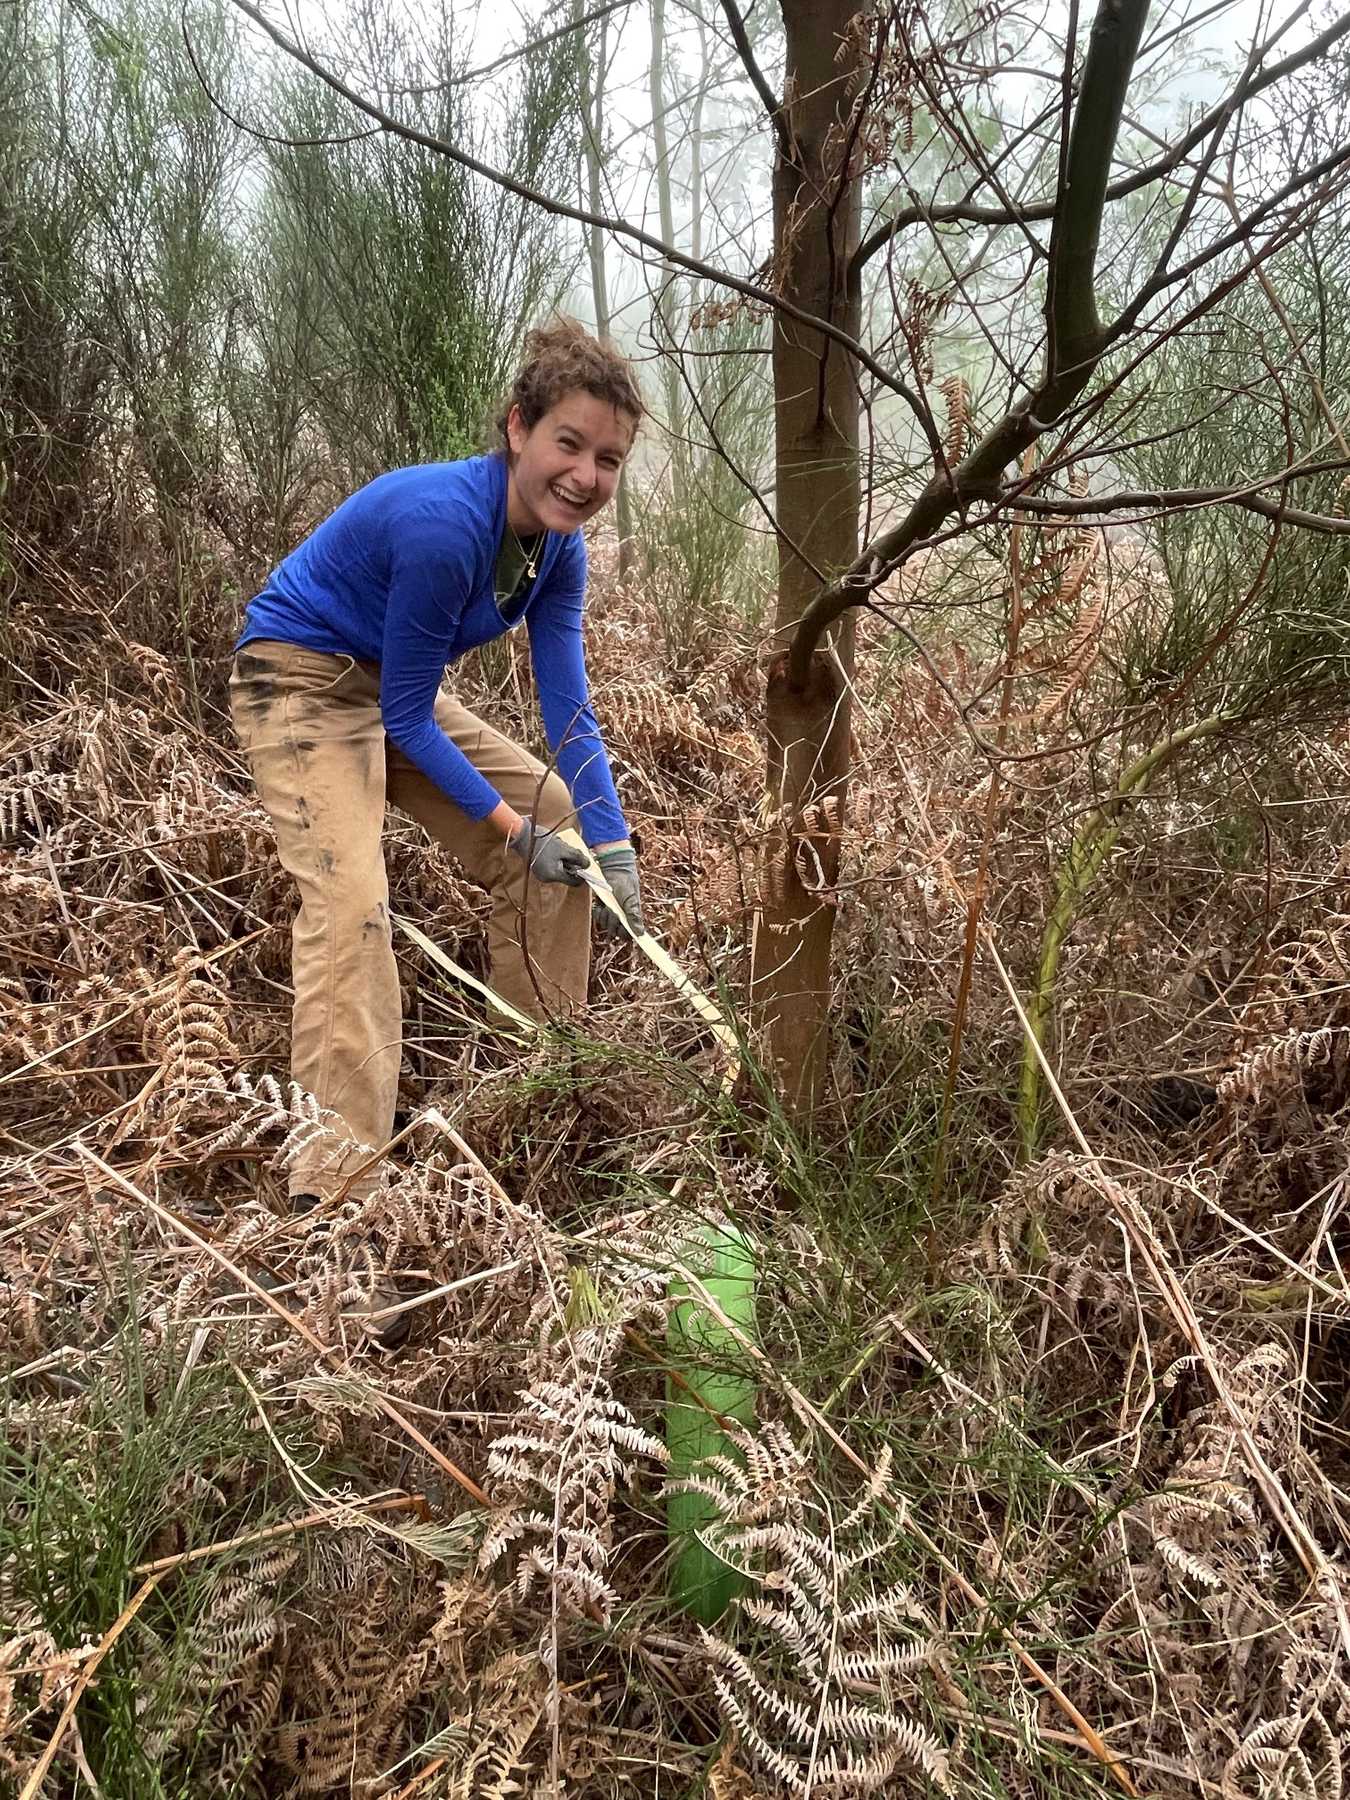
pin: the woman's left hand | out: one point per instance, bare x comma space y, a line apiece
618, 865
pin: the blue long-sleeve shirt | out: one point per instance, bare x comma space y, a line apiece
402, 575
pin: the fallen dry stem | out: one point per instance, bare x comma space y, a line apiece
420, 1780
325, 1516
327, 1351
1145, 1241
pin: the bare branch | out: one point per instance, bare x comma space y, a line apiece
1074, 341
1151, 501
1326, 166
539, 43
564, 210
961, 212
254, 131
758, 80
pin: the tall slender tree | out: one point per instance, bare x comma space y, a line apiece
817, 498
666, 298
594, 71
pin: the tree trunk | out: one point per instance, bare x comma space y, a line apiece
593, 77
705, 74
696, 144
816, 204
666, 308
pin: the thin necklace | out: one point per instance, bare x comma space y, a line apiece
530, 556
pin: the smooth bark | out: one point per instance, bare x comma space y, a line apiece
816, 202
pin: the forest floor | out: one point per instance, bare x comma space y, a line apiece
1048, 1489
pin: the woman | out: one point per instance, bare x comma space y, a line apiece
336, 699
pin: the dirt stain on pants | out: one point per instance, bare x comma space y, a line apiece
310, 725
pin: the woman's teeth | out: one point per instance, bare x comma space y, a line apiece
576, 501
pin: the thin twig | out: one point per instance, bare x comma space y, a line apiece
38, 1773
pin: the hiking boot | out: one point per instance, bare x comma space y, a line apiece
297, 1206
390, 1333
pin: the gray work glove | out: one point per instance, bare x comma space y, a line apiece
620, 870
547, 856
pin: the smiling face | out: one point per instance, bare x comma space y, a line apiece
565, 467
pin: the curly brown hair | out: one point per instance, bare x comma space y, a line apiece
561, 357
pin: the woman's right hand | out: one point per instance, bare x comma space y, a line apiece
548, 855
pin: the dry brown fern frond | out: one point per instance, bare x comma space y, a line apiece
650, 722
814, 1686
922, 308
816, 847
805, 851
956, 441
187, 1034
1074, 661
1300, 1756
355, 1667
571, 1446
723, 894
1300, 1068
1064, 559
1045, 1186
1204, 1565
892, 63
885, 86
34, 1674
61, 1036
503, 1712
233, 1636
162, 678
289, 1113
1307, 986
495, 1263
727, 1780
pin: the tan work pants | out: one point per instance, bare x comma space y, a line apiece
311, 728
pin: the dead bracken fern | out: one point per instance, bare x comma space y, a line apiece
922, 310
661, 723
187, 1033
1196, 1558
1070, 663
35, 1673
233, 1668
956, 441
815, 1680
1052, 1427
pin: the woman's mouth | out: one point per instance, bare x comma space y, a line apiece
574, 502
